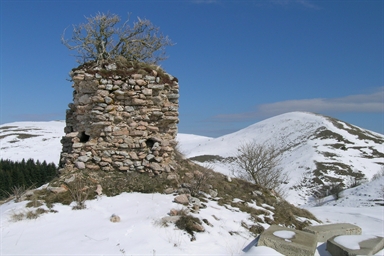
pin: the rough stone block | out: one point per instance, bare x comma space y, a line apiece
353, 245
324, 232
289, 241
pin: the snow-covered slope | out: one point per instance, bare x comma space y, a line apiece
314, 148
36, 140
140, 232
89, 231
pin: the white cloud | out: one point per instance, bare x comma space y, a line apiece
360, 103
305, 3
204, 1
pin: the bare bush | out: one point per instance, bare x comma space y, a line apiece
336, 188
101, 39
319, 201
379, 174
17, 216
382, 191
79, 190
258, 163
352, 182
198, 182
17, 193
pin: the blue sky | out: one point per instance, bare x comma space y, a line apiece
238, 62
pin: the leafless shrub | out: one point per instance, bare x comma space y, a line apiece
352, 182
319, 196
198, 182
379, 174
31, 215
382, 191
336, 188
17, 193
17, 216
101, 39
189, 223
258, 163
79, 190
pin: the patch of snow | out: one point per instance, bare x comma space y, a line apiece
285, 234
262, 251
140, 231
352, 241
268, 206
237, 200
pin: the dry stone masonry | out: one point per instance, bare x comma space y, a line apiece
121, 121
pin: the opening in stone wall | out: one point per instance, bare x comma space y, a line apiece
84, 137
150, 143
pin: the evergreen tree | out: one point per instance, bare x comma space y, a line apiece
24, 174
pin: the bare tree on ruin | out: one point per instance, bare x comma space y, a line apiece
101, 38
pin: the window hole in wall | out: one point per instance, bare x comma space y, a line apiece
84, 137
150, 143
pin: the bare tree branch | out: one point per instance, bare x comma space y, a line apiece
101, 39
259, 163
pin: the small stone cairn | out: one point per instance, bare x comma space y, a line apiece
121, 120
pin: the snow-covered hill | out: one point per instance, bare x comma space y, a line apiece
314, 148
36, 140
305, 137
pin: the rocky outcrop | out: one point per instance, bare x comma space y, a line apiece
121, 120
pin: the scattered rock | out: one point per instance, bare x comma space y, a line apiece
169, 191
58, 190
257, 193
170, 219
189, 175
173, 212
213, 193
171, 177
99, 189
207, 222
71, 179
182, 199
114, 218
197, 227
195, 201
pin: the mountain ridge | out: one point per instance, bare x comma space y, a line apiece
316, 148
142, 229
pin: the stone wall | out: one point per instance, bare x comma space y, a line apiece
123, 121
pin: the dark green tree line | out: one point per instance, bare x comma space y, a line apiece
24, 174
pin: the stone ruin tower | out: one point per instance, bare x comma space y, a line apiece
123, 118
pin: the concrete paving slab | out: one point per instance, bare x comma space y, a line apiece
289, 241
353, 245
324, 232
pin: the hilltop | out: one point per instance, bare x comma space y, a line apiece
315, 149
228, 219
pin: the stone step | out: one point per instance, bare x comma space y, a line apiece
353, 245
324, 232
289, 241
